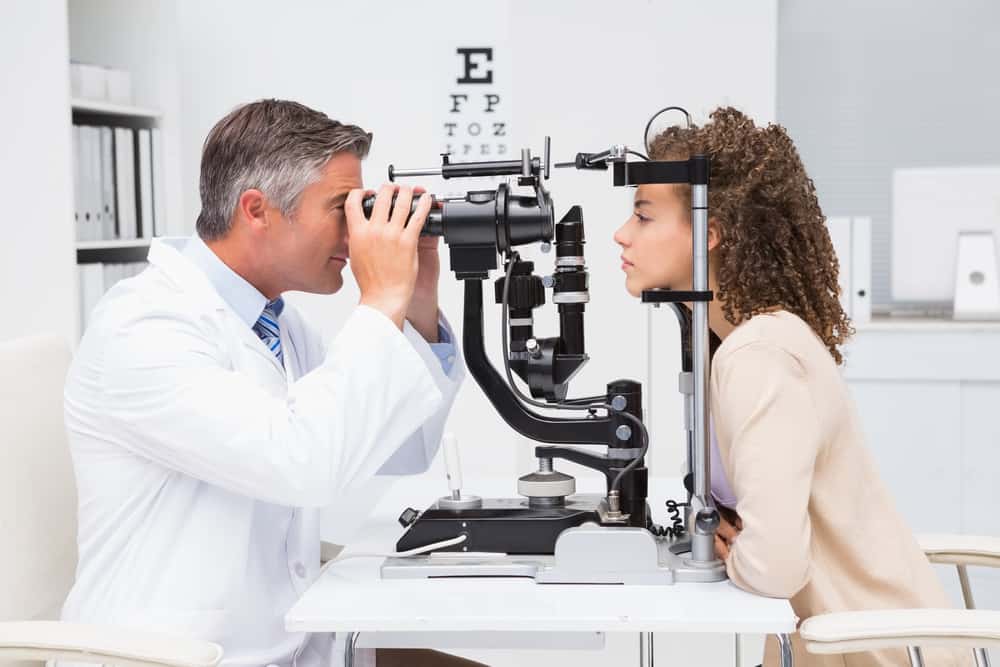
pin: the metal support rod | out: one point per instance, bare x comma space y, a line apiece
785, 650
409, 173
982, 657
916, 656
702, 543
350, 646
963, 578
645, 649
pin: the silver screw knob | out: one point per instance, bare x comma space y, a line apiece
623, 432
546, 247
548, 282
531, 345
618, 402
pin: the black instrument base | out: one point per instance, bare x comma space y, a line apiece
501, 525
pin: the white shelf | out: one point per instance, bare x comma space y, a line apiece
102, 245
99, 106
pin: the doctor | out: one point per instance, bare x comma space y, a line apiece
208, 423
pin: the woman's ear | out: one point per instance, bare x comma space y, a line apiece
714, 234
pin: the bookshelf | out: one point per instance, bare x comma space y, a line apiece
142, 37
105, 109
111, 252
106, 114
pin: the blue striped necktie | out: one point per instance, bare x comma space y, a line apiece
267, 327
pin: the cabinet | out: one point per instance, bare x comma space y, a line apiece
928, 393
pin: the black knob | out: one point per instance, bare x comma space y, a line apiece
526, 291
408, 516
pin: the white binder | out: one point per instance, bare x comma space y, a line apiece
91, 141
108, 226
125, 182
77, 184
159, 185
91, 290
840, 236
861, 270
145, 184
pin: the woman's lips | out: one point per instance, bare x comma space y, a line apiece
626, 264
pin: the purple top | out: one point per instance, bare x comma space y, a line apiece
721, 490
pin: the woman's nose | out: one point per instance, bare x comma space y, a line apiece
620, 236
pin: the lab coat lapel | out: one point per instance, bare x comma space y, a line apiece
166, 254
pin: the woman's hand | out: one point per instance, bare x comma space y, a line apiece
730, 526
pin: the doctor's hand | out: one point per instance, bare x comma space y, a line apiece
384, 248
730, 527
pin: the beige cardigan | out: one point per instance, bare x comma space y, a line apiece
819, 526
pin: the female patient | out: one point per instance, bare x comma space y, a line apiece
812, 521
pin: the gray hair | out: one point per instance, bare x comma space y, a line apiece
275, 146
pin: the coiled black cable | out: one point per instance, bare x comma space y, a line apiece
676, 530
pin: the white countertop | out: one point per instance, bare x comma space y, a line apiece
894, 323
349, 595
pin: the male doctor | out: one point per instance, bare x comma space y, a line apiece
208, 423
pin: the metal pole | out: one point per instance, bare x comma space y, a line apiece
785, 646
702, 545
648, 394
645, 649
350, 644
916, 656
982, 658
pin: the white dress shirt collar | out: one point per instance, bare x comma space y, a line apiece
245, 300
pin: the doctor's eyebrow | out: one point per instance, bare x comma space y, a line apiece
642, 202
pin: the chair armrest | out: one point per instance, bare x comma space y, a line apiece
57, 640
852, 631
961, 549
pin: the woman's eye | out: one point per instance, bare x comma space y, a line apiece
641, 217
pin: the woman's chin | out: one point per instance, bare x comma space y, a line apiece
632, 288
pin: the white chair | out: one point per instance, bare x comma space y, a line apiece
38, 528
972, 629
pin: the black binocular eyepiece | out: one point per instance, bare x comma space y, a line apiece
484, 217
433, 226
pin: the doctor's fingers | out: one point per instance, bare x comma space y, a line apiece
417, 221
383, 203
354, 210
401, 207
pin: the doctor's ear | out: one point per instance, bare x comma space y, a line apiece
252, 207
714, 234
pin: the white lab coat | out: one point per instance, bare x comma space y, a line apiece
201, 465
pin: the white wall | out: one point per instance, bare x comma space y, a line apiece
588, 73
37, 256
869, 87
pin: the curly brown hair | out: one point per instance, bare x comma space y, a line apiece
775, 249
